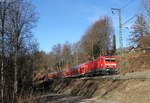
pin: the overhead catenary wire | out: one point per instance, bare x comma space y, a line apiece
129, 20
120, 30
128, 3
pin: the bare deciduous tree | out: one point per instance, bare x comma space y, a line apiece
97, 41
140, 29
22, 18
17, 18
3, 20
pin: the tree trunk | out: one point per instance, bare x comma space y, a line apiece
15, 71
16, 68
2, 81
2, 71
2, 68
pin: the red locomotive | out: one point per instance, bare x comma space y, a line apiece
101, 66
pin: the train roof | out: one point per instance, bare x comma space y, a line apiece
99, 58
77, 66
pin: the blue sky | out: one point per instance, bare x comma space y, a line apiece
68, 20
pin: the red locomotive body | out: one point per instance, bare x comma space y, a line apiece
102, 65
106, 64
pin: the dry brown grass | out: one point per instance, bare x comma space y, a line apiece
135, 62
25, 99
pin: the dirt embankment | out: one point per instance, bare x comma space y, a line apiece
135, 62
120, 91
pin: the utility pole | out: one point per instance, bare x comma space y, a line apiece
122, 57
120, 27
122, 63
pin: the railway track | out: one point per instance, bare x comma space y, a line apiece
127, 76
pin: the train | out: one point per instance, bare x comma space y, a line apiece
104, 65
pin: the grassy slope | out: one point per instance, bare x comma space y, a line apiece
122, 91
136, 62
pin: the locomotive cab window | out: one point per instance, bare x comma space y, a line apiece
110, 59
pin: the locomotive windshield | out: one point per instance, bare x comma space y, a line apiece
110, 59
